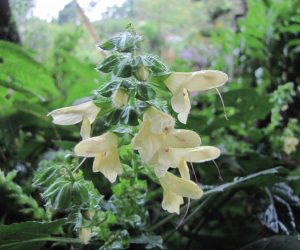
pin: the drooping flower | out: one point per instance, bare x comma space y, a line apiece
179, 83
174, 189
290, 144
105, 150
85, 112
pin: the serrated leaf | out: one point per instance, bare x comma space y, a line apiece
63, 197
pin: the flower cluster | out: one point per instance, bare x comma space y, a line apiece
162, 146
131, 102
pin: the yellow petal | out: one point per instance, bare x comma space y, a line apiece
177, 81
171, 202
183, 138
181, 102
146, 142
180, 186
160, 170
184, 170
108, 163
196, 81
74, 114
197, 154
182, 117
159, 122
94, 145
85, 131
206, 79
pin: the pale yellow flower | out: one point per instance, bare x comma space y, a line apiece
162, 146
155, 125
85, 235
174, 189
179, 83
170, 157
120, 98
290, 144
85, 112
105, 150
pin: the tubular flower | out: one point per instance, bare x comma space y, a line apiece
85, 112
171, 157
179, 83
162, 146
175, 189
104, 149
155, 125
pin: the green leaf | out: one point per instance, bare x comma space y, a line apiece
24, 74
53, 189
259, 179
114, 117
129, 116
110, 44
107, 89
27, 235
144, 92
80, 193
155, 65
275, 243
123, 69
109, 63
124, 42
151, 241
64, 197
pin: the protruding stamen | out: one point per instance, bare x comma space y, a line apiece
225, 114
216, 165
79, 165
194, 173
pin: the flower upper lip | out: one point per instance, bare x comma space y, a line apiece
179, 83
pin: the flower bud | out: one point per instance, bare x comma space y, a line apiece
290, 144
142, 74
85, 235
120, 98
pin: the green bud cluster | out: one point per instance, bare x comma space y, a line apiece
130, 90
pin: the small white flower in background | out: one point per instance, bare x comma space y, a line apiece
105, 150
85, 235
179, 83
120, 98
290, 144
85, 113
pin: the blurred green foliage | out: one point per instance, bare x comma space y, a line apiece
257, 201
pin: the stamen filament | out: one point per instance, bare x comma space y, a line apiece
223, 105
